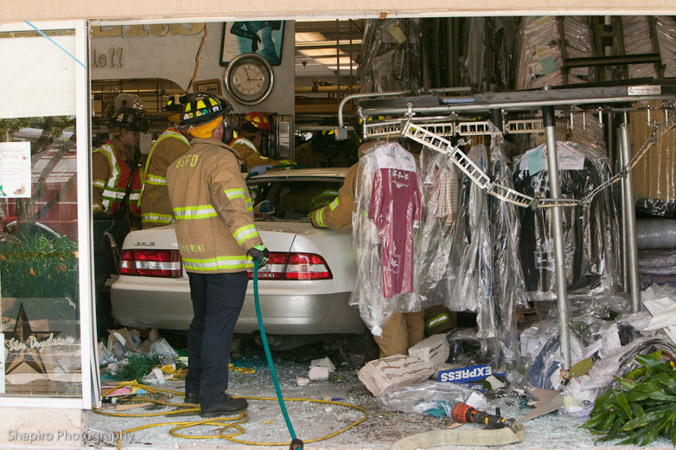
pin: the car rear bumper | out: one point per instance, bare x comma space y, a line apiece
165, 303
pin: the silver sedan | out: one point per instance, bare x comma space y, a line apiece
304, 289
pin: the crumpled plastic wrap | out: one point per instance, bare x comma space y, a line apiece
466, 349
593, 327
391, 55
631, 338
428, 396
590, 232
385, 227
637, 29
541, 352
580, 395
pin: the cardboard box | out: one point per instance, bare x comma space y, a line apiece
393, 372
654, 176
465, 374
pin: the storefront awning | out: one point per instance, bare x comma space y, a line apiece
164, 10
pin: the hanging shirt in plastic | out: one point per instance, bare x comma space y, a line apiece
590, 231
441, 188
388, 207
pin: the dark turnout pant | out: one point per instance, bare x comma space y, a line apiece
217, 301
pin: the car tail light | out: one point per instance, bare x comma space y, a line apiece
274, 269
306, 266
294, 266
151, 263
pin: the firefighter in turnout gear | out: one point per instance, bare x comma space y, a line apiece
323, 150
402, 330
117, 169
218, 242
172, 144
252, 133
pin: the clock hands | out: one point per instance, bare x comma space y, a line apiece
249, 79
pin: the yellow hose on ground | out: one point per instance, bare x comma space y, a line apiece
225, 423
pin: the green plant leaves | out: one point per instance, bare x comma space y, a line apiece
642, 408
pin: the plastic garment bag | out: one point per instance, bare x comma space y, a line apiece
385, 226
484, 255
391, 55
471, 252
441, 188
508, 290
590, 231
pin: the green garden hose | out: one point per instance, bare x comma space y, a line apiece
296, 444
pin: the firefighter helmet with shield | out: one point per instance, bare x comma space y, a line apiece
202, 107
258, 120
130, 119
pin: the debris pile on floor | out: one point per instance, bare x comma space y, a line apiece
616, 356
621, 379
139, 355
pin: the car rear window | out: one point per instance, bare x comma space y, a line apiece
291, 199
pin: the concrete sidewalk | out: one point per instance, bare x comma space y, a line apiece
318, 424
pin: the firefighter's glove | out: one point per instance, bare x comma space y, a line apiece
259, 170
259, 253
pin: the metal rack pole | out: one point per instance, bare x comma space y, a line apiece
623, 223
559, 255
629, 216
342, 103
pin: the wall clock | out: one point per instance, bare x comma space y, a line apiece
249, 79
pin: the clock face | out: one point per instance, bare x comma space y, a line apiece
249, 79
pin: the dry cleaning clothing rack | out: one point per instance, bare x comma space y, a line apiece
430, 118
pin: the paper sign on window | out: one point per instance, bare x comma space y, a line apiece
15, 169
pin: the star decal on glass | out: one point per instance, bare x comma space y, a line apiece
24, 337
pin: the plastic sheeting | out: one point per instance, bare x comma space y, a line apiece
429, 397
631, 338
391, 55
385, 226
657, 266
655, 233
490, 68
590, 232
540, 53
637, 40
589, 325
654, 175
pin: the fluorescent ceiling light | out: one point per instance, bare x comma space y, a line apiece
309, 37
328, 51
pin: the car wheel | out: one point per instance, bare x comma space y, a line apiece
364, 345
